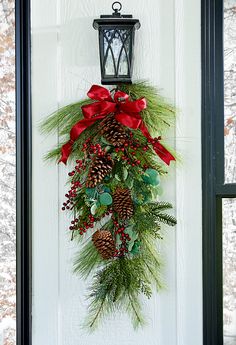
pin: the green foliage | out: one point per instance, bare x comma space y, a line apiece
116, 288
118, 285
87, 260
118, 282
155, 209
167, 219
147, 218
101, 210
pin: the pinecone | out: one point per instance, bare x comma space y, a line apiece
122, 203
104, 243
114, 132
100, 167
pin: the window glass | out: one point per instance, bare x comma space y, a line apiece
7, 174
229, 89
229, 270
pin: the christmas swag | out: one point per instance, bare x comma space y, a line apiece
114, 192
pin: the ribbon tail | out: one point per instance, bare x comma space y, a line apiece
163, 153
66, 151
160, 150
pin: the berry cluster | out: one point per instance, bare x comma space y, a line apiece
129, 151
85, 226
91, 148
75, 185
79, 168
120, 231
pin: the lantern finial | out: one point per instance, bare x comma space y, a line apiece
116, 9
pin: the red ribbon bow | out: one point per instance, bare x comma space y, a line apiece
126, 112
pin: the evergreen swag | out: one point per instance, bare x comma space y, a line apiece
113, 191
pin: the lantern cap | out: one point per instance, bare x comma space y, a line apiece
116, 18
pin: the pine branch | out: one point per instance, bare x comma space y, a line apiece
166, 219
87, 260
163, 205
135, 311
98, 313
63, 119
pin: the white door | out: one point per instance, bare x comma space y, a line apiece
65, 63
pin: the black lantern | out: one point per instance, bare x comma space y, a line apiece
116, 43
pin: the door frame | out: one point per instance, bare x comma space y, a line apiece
23, 173
214, 188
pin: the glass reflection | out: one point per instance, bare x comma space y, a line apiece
116, 52
229, 89
229, 270
7, 175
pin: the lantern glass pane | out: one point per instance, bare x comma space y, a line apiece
109, 66
117, 44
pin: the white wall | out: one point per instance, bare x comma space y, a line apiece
65, 64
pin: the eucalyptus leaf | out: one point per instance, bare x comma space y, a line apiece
133, 236
136, 248
92, 200
105, 199
118, 240
107, 190
117, 177
125, 173
130, 245
151, 177
130, 183
90, 192
93, 209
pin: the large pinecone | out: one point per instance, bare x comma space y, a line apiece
104, 243
122, 203
100, 167
114, 132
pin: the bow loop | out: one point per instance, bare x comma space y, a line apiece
99, 93
120, 96
98, 108
134, 106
